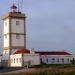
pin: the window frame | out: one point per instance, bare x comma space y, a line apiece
53, 60
5, 36
6, 24
14, 60
20, 60
17, 23
62, 60
17, 36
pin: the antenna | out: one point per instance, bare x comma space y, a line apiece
18, 6
20, 3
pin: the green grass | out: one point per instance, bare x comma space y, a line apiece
49, 70
44, 73
53, 65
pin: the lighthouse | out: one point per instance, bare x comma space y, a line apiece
15, 53
14, 31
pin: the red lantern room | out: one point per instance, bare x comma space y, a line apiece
13, 7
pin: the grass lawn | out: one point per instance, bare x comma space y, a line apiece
49, 70
43, 73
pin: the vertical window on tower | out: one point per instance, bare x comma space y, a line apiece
5, 36
17, 22
17, 36
5, 23
5, 51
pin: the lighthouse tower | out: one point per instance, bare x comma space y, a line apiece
14, 31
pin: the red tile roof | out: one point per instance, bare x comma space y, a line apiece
14, 12
52, 53
22, 51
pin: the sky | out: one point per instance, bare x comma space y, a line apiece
50, 24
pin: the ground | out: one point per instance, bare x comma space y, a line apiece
42, 70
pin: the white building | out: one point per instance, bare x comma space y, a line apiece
56, 57
14, 31
23, 58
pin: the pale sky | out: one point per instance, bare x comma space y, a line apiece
50, 23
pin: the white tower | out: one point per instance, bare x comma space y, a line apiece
14, 31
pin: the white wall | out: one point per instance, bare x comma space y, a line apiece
6, 41
6, 30
14, 29
6, 27
17, 42
17, 62
6, 51
17, 28
33, 58
48, 59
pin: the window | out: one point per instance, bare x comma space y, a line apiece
5, 23
5, 36
14, 60
17, 60
53, 60
6, 51
17, 36
62, 60
17, 22
47, 60
67, 59
20, 59
41, 60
